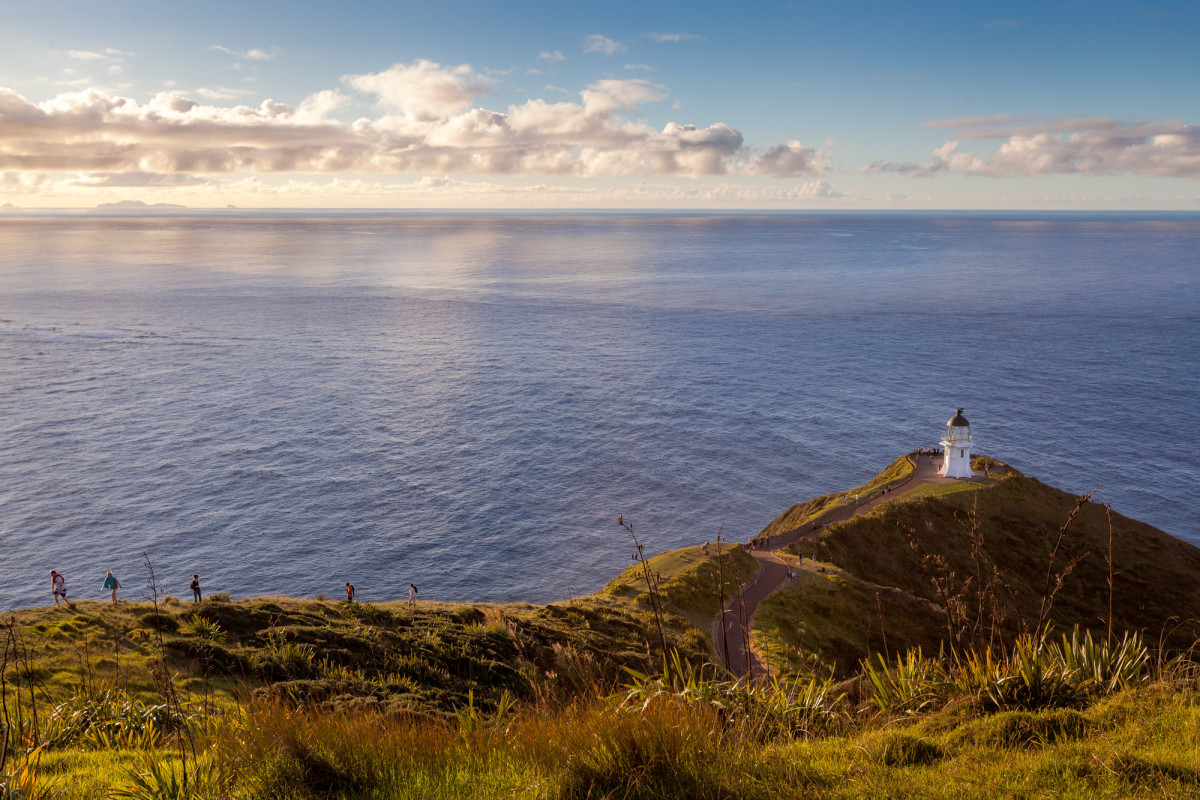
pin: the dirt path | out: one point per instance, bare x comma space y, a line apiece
735, 620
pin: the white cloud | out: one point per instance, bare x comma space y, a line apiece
818, 189
423, 89
1095, 146
109, 180
595, 43
427, 123
674, 37
551, 56
98, 55
223, 93
254, 54
642, 67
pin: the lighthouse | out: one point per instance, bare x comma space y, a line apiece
956, 445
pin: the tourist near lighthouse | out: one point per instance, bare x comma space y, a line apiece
956, 445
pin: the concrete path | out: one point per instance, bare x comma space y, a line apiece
735, 620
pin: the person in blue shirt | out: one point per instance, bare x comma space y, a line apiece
112, 584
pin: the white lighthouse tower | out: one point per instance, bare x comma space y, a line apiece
956, 445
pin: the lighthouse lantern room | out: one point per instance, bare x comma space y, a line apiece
956, 446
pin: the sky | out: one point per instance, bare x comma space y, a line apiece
825, 104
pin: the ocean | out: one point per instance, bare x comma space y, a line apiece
284, 401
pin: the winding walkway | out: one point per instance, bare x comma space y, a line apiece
731, 627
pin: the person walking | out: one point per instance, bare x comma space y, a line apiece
111, 584
349, 592
412, 595
195, 587
58, 586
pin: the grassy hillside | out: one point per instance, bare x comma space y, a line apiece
289, 699
431, 658
984, 550
828, 620
690, 581
831, 504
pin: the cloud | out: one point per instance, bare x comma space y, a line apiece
595, 43
423, 89
223, 93
970, 122
674, 37
109, 180
551, 56
642, 67
98, 55
426, 122
819, 189
788, 160
254, 54
1094, 146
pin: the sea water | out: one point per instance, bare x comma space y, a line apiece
283, 402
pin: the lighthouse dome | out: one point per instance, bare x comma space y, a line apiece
958, 421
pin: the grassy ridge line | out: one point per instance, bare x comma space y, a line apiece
876, 592
1157, 577
829, 504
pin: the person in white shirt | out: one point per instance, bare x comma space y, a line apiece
58, 586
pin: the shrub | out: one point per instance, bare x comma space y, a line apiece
108, 720
913, 683
762, 710
206, 628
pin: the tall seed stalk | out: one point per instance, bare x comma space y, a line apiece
166, 681
1055, 582
652, 585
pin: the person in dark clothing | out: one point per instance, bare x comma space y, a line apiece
195, 586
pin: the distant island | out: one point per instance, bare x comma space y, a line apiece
915, 636
120, 204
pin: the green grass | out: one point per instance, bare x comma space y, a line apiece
690, 581
1136, 743
303, 699
385, 655
825, 506
1019, 518
827, 622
